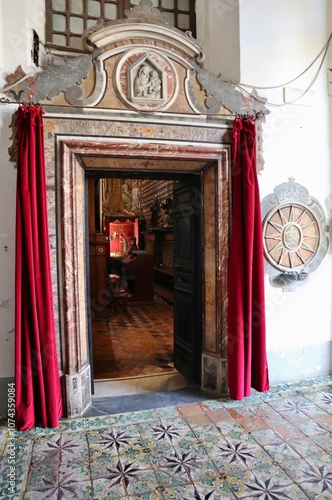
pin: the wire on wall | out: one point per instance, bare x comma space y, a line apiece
323, 51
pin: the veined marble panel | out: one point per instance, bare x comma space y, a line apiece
114, 144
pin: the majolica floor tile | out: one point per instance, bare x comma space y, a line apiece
157, 453
245, 452
325, 387
324, 441
315, 479
324, 401
129, 478
16, 456
305, 447
230, 428
324, 420
168, 479
184, 492
169, 430
258, 485
68, 489
214, 487
98, 422
3, 434
280, 448
99, 464
312, 429
77, 424
282, 452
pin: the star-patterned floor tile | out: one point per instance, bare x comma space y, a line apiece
212, 450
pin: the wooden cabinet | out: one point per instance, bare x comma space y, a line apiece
139, 274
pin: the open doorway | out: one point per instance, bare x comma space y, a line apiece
133, 334
81, 164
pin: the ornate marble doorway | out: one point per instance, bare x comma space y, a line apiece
76, 159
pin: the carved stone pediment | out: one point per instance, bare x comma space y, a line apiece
111, 75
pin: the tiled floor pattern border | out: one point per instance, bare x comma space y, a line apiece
270, 446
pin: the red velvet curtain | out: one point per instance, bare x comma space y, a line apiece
247, 359
38, 392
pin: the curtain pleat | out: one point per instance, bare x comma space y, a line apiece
37, 381
247, 359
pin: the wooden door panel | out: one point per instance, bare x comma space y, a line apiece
187, 277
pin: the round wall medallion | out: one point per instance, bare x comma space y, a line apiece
146, 80
291, 236
294, 235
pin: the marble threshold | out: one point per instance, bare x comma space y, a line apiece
140, 384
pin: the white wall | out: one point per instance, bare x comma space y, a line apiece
283, 38
218, 27
278, 41
17, 19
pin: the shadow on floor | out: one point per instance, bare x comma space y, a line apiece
144, 401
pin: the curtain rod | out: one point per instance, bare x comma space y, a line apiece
6, 100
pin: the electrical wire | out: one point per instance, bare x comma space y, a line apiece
326, 46
264, 101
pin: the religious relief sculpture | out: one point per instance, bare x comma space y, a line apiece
147, 83
167, 213
126, 196
146, 80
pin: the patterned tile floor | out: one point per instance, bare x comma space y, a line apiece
270, 446
146, 331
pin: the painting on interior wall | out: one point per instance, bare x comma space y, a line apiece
121, 207
121, 197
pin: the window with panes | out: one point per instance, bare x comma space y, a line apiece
66, 20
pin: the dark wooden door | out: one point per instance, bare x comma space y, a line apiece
187, 223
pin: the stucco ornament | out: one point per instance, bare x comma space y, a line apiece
146, 10
295, 235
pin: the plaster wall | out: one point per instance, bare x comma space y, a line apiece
267, 44
218, 25
279, 40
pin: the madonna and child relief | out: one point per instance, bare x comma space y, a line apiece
146, 80
147, 83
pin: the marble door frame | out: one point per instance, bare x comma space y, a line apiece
213, 163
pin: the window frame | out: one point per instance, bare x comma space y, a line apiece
122, 6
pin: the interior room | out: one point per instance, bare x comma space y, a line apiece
134, 218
